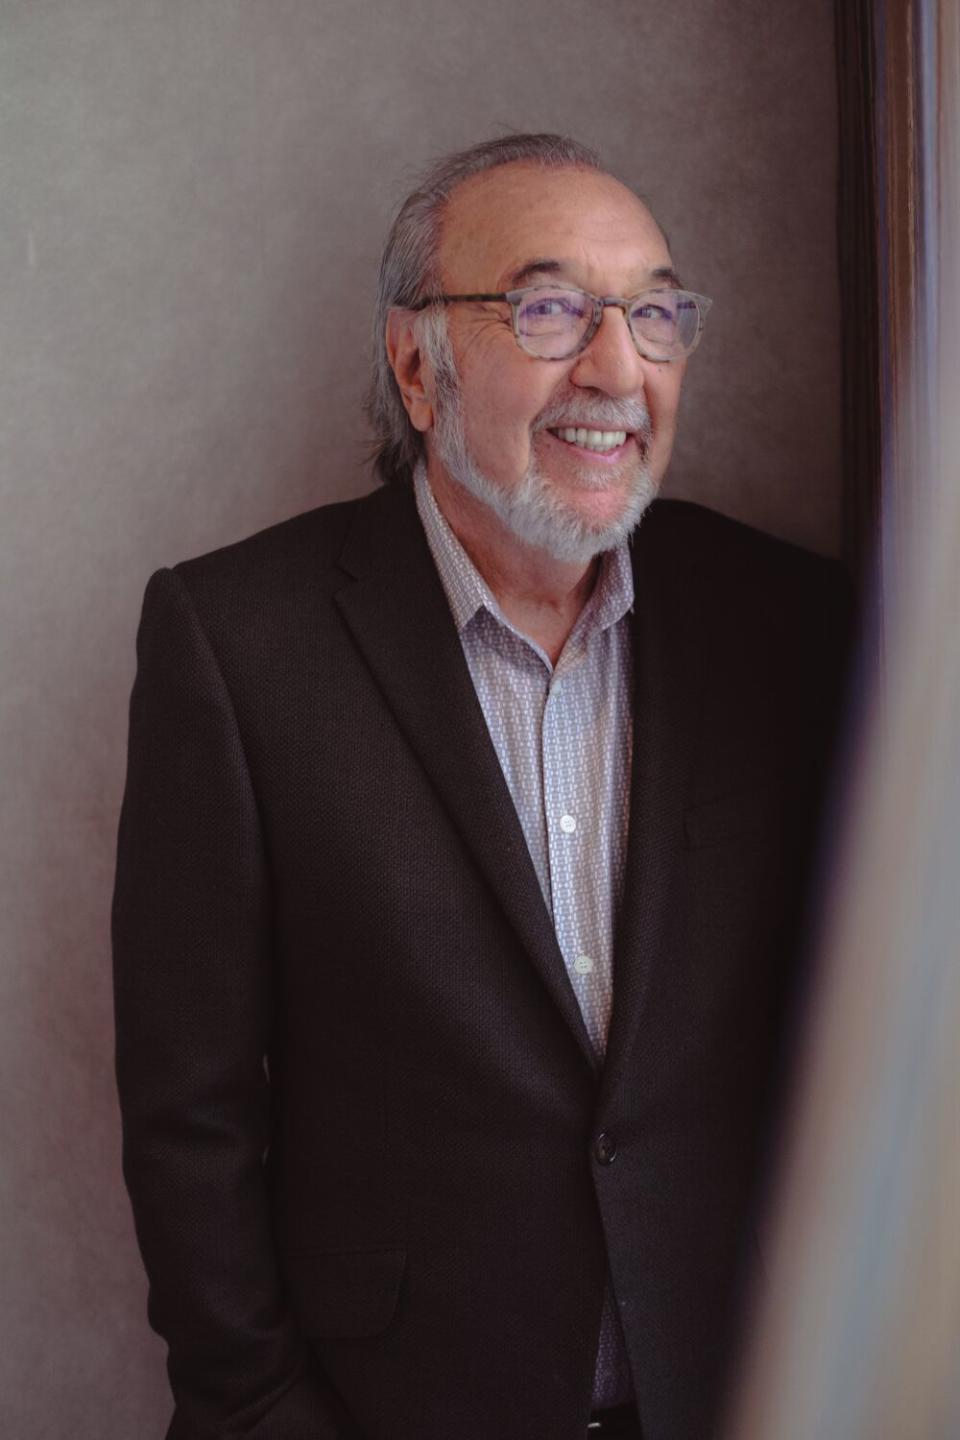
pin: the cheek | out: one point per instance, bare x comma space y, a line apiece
663, 398
500, 417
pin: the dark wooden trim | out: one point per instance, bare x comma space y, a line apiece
858, 238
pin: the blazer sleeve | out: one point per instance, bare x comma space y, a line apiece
192, 982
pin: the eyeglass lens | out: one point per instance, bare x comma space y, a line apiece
552, 323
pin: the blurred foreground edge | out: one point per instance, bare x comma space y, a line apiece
856, 1335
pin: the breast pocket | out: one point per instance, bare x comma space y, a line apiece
344, 1294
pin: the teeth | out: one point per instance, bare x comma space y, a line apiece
593, 439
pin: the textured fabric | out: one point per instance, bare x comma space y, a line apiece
564, 737
319, 857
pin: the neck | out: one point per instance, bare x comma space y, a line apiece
540, 595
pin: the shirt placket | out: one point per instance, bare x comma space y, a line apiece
570, 825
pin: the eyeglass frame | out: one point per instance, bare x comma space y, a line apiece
514, 298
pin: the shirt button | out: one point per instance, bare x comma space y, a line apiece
605, 1149
567, 824
583, 964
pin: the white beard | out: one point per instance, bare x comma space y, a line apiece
532, 510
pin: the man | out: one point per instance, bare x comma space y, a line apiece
461, 870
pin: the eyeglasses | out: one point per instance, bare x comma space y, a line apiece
556, 322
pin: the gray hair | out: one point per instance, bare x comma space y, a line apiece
409, 272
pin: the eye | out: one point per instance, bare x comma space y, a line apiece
659, 314
669, 321
545, 307
552, 307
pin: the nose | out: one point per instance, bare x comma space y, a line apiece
610, 362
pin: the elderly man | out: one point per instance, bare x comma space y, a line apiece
461, 870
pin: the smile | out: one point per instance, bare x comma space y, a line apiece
602, 441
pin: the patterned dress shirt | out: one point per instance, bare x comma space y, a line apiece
563, 736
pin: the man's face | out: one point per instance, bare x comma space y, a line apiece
516, 226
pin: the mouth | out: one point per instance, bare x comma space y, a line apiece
606, 444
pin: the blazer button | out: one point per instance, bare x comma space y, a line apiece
605, 1149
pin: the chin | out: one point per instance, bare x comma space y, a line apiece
536, 513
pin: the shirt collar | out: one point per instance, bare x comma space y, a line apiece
467, 591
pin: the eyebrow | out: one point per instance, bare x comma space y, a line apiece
665, 274
668, 275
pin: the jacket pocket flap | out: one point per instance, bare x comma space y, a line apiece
344, 1294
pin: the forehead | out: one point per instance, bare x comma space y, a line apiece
503, 219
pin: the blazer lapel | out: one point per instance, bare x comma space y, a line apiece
397, 612
668, 659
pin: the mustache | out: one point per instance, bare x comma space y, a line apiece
599, 413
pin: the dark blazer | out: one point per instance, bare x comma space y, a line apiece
403, 1232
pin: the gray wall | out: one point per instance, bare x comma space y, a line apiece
192, 199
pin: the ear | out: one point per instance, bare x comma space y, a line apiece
407, 364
